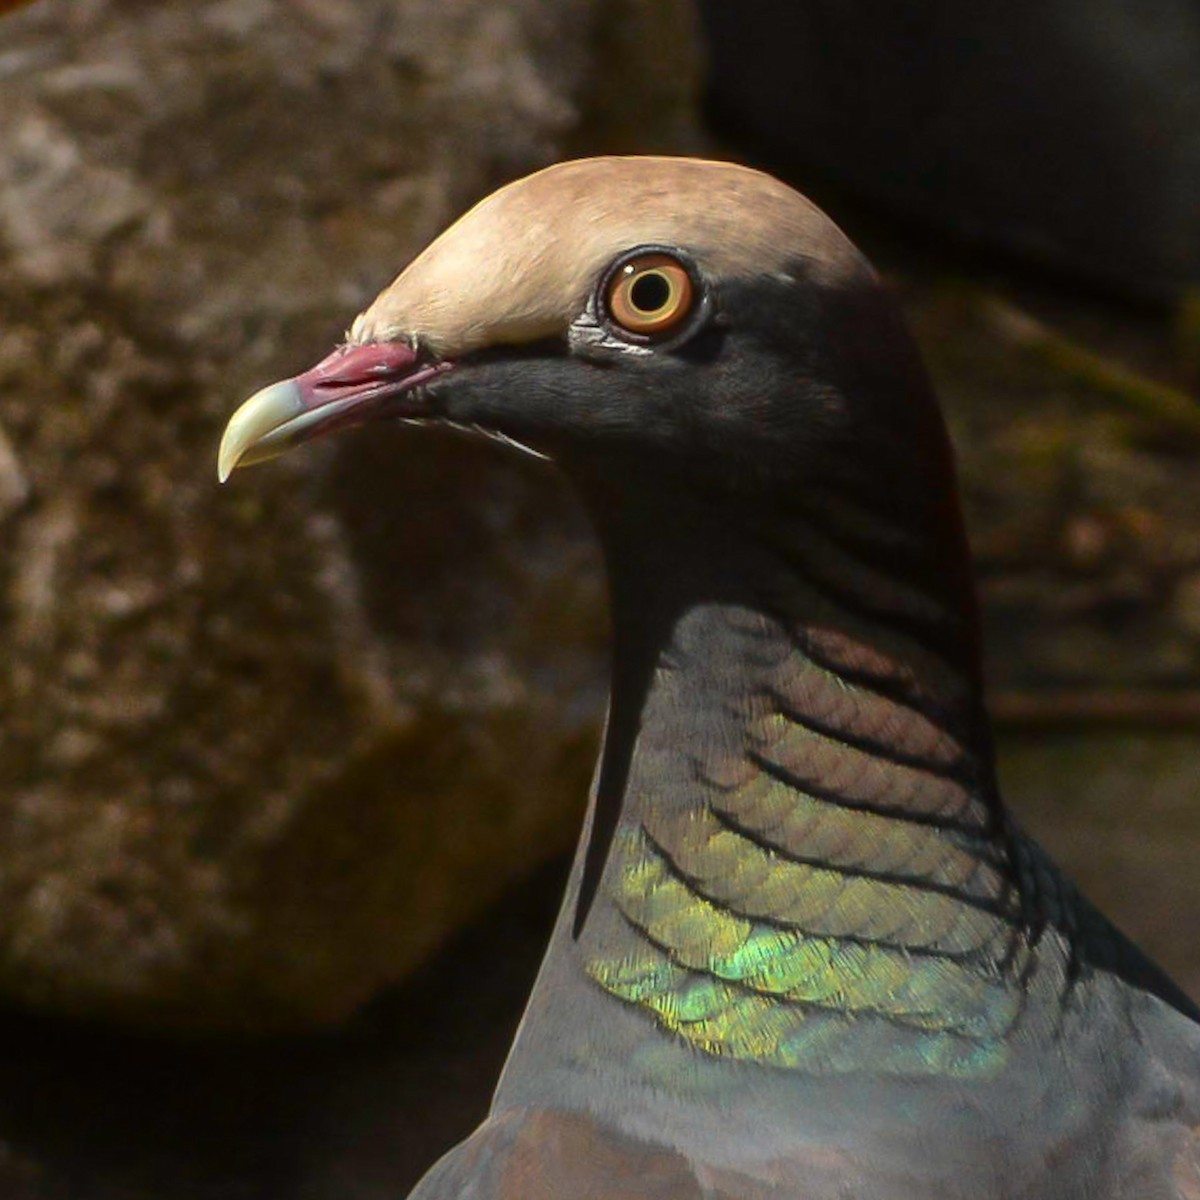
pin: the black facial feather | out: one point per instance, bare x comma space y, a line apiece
789, 397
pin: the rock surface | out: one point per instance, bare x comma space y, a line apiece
261, 747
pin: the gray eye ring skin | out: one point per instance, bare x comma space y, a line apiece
702, 299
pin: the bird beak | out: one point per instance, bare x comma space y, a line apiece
354, 385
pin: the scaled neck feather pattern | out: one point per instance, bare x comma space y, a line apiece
808, 866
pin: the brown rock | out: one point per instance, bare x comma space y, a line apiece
260, 748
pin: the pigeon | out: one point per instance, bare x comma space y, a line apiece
805, 952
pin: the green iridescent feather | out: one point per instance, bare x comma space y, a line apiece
739, 986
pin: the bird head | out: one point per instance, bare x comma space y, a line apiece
665, 326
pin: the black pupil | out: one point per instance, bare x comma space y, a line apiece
649, 292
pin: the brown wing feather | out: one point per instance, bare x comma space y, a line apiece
552, 1155
1186, 1173
548, 1155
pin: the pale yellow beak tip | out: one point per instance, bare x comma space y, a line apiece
252, 434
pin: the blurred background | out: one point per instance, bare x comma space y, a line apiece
289, 769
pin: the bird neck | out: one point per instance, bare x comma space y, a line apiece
795, 852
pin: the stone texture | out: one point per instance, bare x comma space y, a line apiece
261, 747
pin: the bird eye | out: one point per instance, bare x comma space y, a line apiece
650, 294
